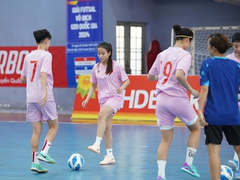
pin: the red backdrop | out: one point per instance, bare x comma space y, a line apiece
11, 61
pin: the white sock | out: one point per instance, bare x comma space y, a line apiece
235, 156
161, 168
98, 141
46, 147
190, 155
34, 157
109, 152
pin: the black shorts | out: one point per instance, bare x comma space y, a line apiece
214, 134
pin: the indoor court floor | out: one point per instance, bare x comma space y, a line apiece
134, 147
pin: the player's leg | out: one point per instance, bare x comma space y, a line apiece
234, 163
237, 153
214, 161
50, 115
34, 116
165, 122
109, 158
213, 140
232, 134
189, 117
102, 116
192, 146
162, 152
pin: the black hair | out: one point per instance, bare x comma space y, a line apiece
182, 33
108, 48
220, 42
236, 37
41, 35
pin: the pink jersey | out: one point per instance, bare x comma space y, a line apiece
34, 63
233, 57
108, 84
165, 66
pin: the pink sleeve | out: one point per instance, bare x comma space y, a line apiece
155, 69
93, 78
123, 76
47, 63
185, 63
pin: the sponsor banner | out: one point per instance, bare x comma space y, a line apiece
139, 101
11, 62
84, 33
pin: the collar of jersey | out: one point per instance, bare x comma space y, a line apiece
219, 57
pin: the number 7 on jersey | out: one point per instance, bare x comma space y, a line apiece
34, 69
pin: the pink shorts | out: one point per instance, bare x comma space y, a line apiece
114, 102
36, 113
170, 107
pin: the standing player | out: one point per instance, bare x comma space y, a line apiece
234, 164
170, 69
219, 86
111, 79
41, 106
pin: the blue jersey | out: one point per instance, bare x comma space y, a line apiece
222, 76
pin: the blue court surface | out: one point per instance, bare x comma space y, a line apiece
134, 147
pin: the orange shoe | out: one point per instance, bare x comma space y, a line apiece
108, 160
94, 148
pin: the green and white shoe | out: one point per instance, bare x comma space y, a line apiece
38, 168
46, 158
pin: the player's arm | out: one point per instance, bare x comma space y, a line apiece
23, 79
90, 93
43, 79
124, 85
203, 97
202, 100
180, 76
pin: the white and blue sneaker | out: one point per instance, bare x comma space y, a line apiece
234, 164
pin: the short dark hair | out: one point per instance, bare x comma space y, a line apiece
41, 35
236, 37
220, 42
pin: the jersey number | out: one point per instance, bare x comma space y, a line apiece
34, 69
167, 71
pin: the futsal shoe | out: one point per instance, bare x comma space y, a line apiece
38, 168
190, 169
46, 158
94, 148
107, 160
237, 175
160, 178
233, 164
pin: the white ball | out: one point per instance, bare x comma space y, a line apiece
226, 173
76, 161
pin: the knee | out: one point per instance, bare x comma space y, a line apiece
53, 126
101, 116
195, 127
37, 132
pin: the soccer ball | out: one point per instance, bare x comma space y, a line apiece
226, 173
76, 161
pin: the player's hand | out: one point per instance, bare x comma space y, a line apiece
202, 119
119, 90
84, 103
43, 99
195, 94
